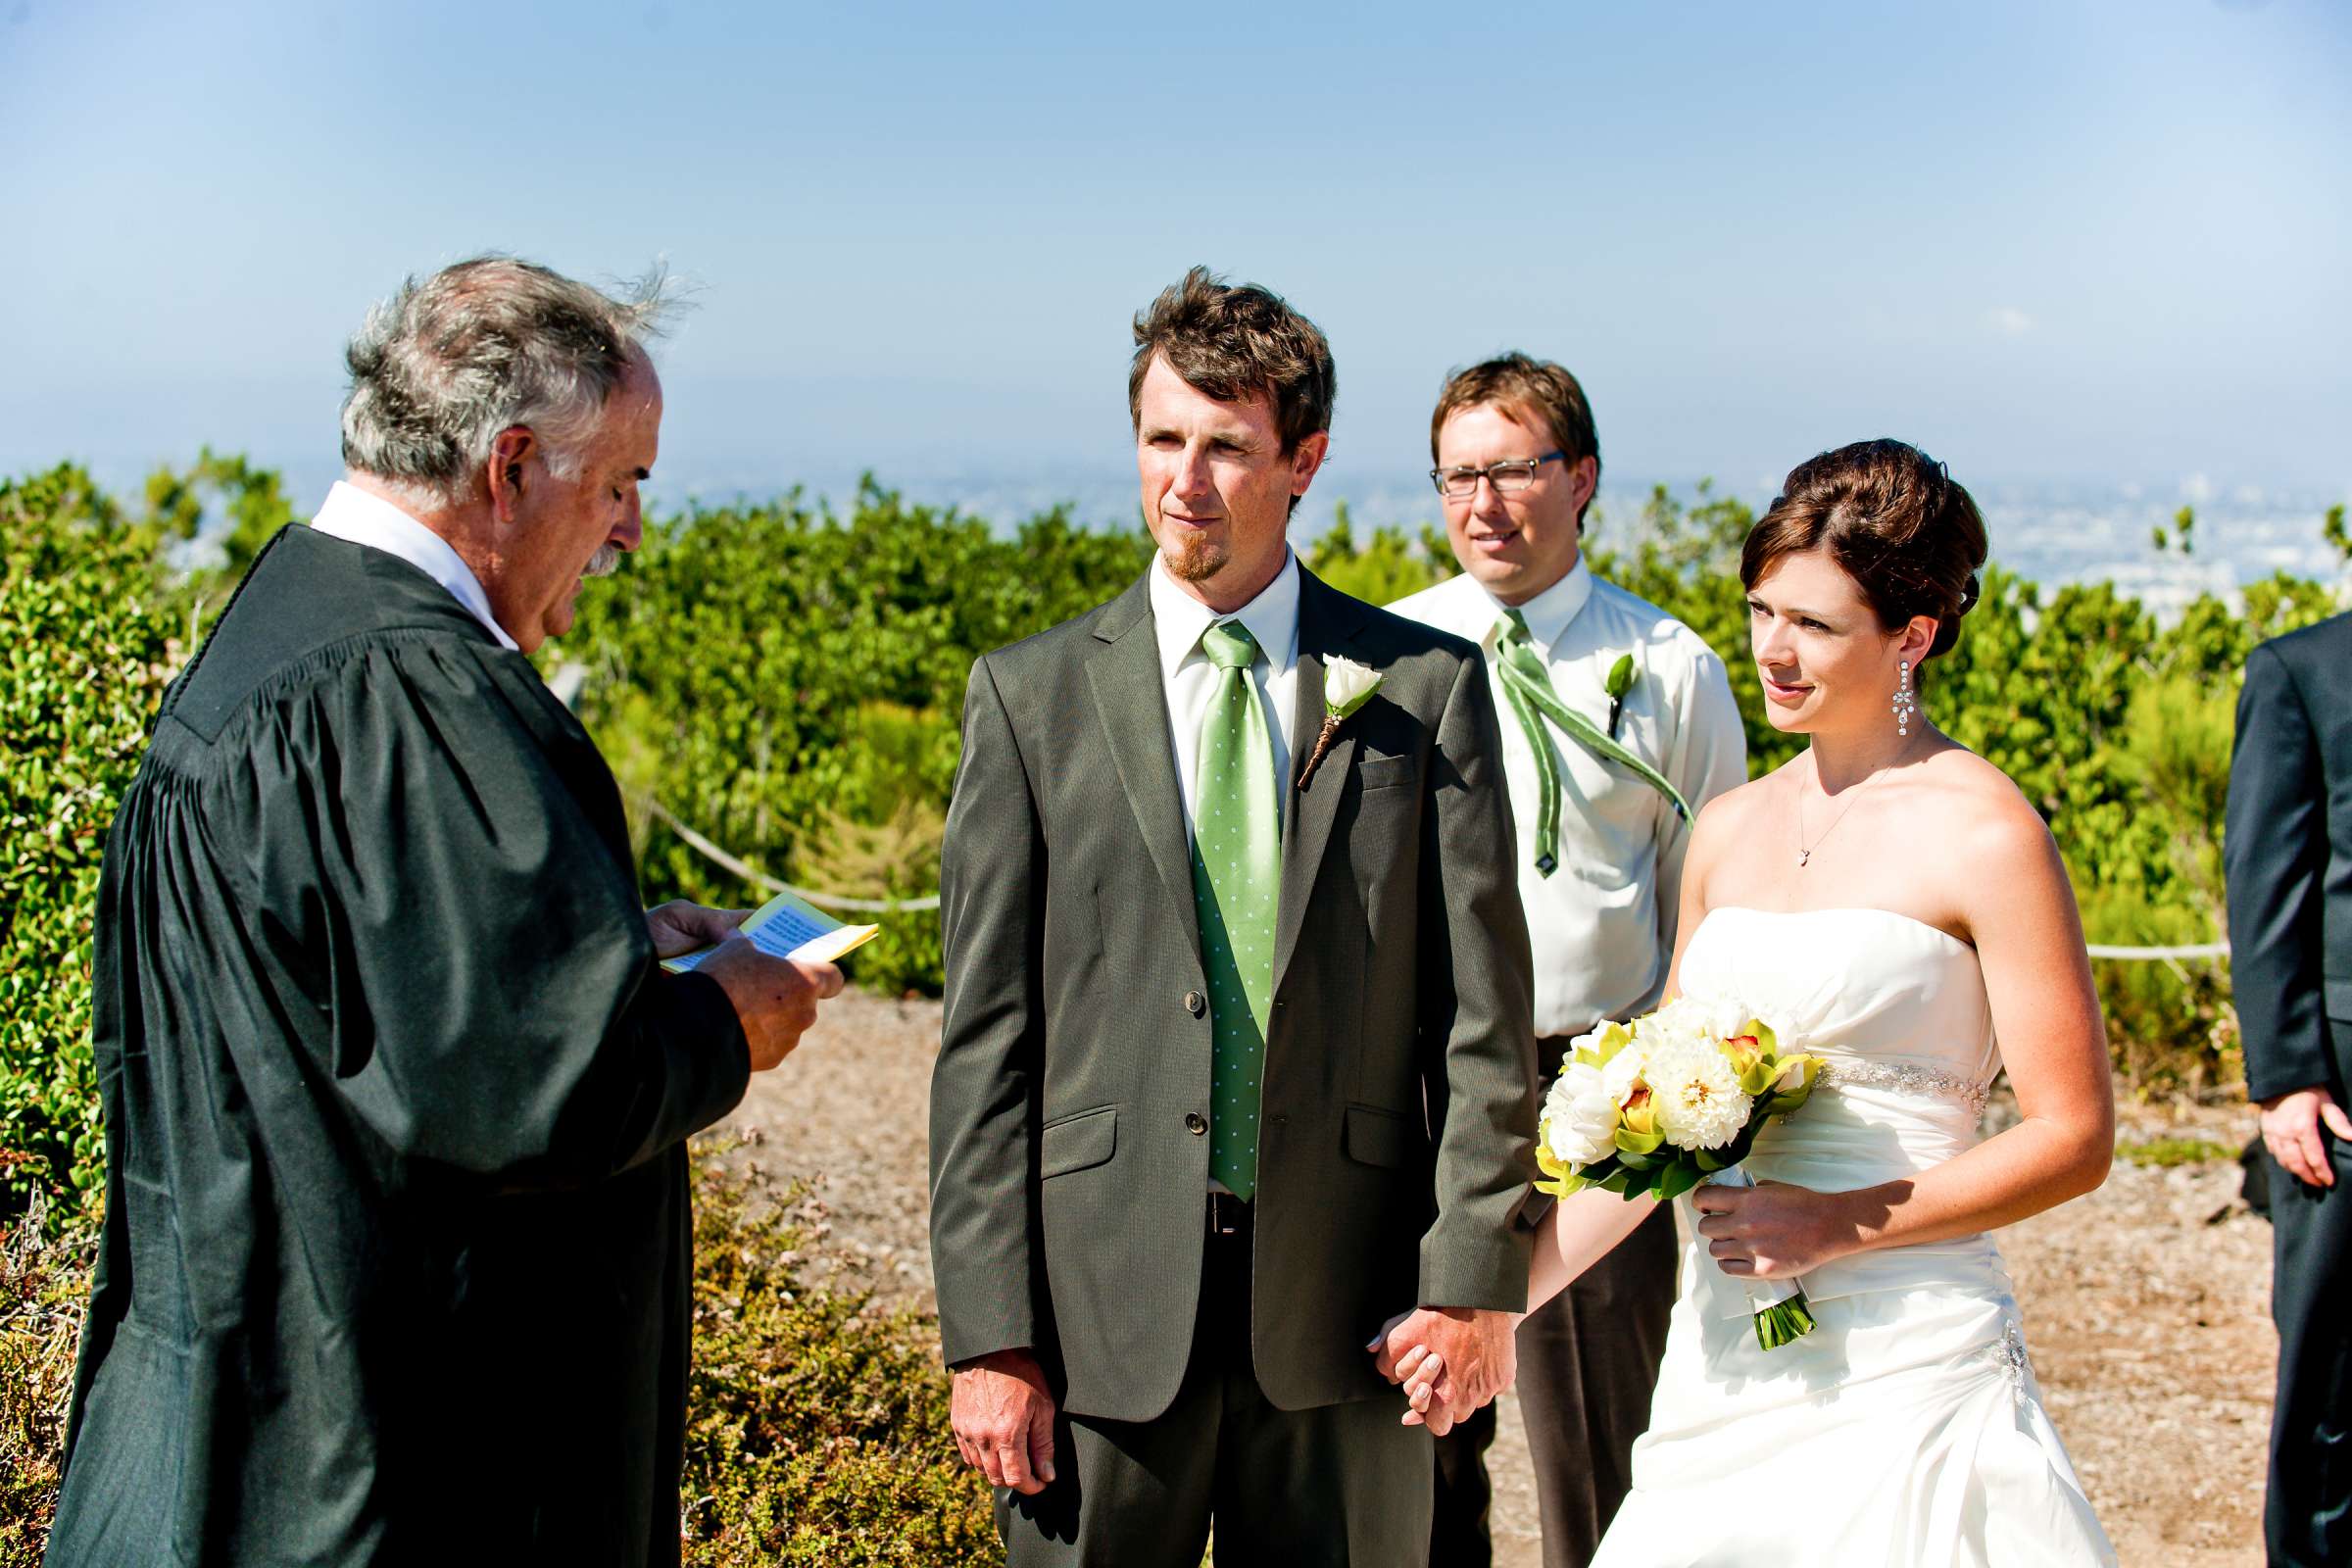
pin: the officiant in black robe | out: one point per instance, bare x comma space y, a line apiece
397, 1250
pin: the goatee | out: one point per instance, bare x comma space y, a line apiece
1195, 559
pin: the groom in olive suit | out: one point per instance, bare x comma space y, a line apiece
1238, 1059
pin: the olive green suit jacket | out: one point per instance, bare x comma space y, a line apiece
1068, 1168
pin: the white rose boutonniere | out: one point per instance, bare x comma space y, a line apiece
1346, 687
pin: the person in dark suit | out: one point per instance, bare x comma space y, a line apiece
2288, 857
1238, 1062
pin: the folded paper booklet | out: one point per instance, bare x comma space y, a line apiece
786, 927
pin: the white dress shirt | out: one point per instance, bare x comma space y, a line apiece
352, 513
1178, 621
1603, 924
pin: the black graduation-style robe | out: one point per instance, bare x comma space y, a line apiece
396, 1262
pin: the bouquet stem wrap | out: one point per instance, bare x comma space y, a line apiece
1782, 1315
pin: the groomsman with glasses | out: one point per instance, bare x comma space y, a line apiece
1618, 724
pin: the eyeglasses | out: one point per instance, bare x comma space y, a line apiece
1516, 473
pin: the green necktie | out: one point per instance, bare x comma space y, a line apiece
1236, 881
1526, 686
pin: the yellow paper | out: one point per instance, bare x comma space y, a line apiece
789, 927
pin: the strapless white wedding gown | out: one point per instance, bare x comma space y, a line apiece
1907, 1427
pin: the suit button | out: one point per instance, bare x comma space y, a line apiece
1195, 1123
1195, 1004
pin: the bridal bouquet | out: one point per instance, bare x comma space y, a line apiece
1673, 1099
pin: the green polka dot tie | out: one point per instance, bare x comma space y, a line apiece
1236, 882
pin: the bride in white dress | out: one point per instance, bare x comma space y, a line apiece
1893, 902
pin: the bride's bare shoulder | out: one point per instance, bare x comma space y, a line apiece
1980, 809
1740, 807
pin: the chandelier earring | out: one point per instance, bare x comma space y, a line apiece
1906, 706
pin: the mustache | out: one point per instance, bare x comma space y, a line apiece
602, 563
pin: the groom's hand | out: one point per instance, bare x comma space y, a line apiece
1475, 1348
1003, 1419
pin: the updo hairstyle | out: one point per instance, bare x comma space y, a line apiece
1892, 520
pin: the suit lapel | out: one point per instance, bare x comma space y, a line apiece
1131, 697
1327, 623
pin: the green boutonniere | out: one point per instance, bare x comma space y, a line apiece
1622, 677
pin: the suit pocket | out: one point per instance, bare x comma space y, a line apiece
1375, 1137
2339, 997
1075, 1143
1384, 772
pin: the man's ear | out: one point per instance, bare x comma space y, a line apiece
1308, 459
511, 455
1584, 477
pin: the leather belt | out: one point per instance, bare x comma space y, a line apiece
1228, 1215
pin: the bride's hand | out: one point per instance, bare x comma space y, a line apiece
1417, 1367
1770, 1231
1421, 1368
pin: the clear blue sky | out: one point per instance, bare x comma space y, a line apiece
2047, 240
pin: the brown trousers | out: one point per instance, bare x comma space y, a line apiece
1588, 1365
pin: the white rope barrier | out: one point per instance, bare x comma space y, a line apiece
823, 900
566, 682
2204, 950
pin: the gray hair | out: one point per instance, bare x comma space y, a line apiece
444, 365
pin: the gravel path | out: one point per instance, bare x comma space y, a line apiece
2146, 1305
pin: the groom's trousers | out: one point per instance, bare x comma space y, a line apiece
2307, 1518
1587, 1366
1338, 1484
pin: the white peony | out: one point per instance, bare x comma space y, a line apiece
1623, 1071
1700, 1016
1696, 1094
1580, 1119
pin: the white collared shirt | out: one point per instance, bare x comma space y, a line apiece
1603, 924
1178, 621
352, 513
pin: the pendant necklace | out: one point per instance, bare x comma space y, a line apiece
1804, 852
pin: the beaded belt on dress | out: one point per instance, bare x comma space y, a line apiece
1908, 1077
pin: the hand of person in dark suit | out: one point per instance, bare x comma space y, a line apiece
1003, 1415
2290, 1129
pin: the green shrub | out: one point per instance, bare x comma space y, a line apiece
85, 647
818, 1430
1387, 567
2164, 1153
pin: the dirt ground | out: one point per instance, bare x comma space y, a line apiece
2146, 1305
